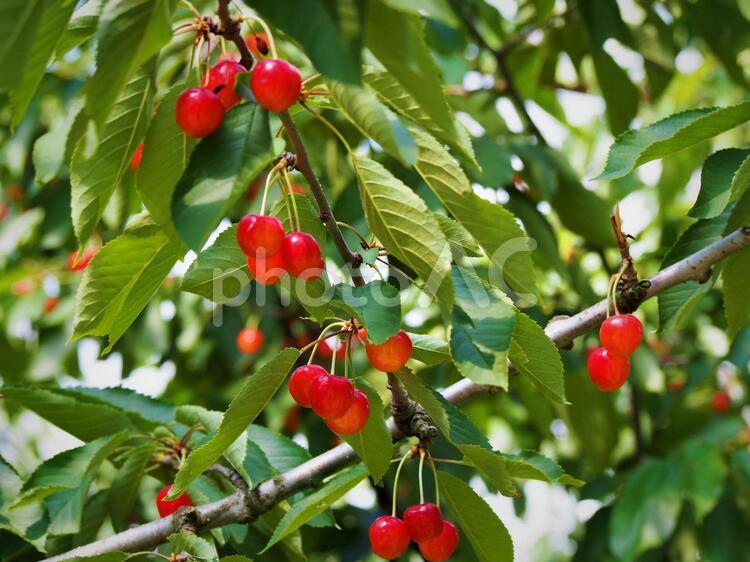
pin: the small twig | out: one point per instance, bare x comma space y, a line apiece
230, 28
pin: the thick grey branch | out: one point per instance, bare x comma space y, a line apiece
239, 507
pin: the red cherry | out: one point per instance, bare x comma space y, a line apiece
721, 402
260, 232
50, 304
300, 382
423, 521
267, 271
249, 340
168, 507
355, 417
257, 43
276, 84
199, 112
79, 264
3, 211
621, 334
326, 349
135, 161
392, 354
331, 396
302, 256
220, 80
440, 548
389, 537
607, 370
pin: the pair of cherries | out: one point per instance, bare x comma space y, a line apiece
609, 364
271, 253
344, 408
423, 523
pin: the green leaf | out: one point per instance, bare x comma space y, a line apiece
317, 502
146, 412
479, 524
704, 471
391, 93
330, 33
428, 349
734, 289
405, 226
81, 27
220, 272
363, 109
493, 467
195, 546
19, 20
220, 169
166, 153
130, 32
376, 305
458, 237
741, 179
190, 415
247, 404
618, 91
493, 227
283, 453
530, 465
646, 512
670, 135
481, 330
408, 60
718, 182
373, 444
537, 357
50, 149
121, 280
99, 164
66, 470
127, 480
49, 29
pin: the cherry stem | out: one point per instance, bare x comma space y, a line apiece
335, 348
269, 180
395, 482
421, 476
311, 78
614, 287
347, 355
354, 230
288, 184
266, 29
435, 477
192, 8
322, 337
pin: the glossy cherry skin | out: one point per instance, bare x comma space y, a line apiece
169, 507
199, 112
260, 232
331, 396
276, 84
135, 161
257, 43
442, 547
607, 370
302, 256
621, 334
423, 521
720, 402
389, 537
355, 417
392, 354
249, 340
81, 263
267, 271
300, 383
221, 79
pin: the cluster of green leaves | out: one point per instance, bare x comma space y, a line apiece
407, 176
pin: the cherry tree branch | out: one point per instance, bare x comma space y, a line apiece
230, 28
244, 506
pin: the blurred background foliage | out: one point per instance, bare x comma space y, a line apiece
667, 475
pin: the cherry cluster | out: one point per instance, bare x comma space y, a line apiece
609, 364
271, 253
424, 524
344, 408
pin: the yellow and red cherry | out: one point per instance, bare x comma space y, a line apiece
621, 334
355, 417
276, 84
221, 79
331, 396
300, 383
607, 370
389, 537
423, 521
168, 507
258, 234
199, 112
135, 161
302, 255
249, 340
442, 547
392, 354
